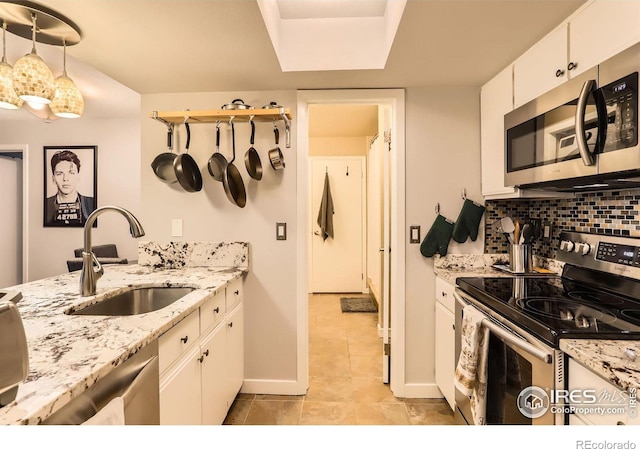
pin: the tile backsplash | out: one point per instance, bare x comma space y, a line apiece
614, 212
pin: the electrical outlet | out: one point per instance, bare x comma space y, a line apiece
547, 231
414, 234
281, 231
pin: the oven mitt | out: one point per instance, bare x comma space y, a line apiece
437, 239
468, 222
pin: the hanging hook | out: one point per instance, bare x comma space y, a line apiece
347, 170
464, 193
437, 208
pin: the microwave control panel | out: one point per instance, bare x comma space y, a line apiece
621, 98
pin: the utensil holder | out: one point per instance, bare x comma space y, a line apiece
520, 258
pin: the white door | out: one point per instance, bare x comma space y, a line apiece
11, 224
337, 264
386, 259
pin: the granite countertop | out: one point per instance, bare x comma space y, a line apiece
614, 360
68, 353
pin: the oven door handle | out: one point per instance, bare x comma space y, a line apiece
509, 337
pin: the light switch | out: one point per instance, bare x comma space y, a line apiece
176, 227
414, 234
281, 231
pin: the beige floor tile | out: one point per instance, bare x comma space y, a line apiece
426, 413
329, 365
324, 346
381, 414
371, 389
330, 389
366, 365
371, 349
238, 412
330, 413
328, 333
274, 413
278, 397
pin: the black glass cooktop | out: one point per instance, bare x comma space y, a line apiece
554, 308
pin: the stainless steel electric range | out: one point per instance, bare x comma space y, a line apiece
597, 296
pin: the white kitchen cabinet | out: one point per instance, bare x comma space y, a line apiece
581, 379
445, 340
596, 32
200, 379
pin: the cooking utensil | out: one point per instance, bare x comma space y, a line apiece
508, 228
271, 105
162, 164
236, 104
186, 168
252, 158
527, 233
275, 154
232, 180
516, 232
217, 162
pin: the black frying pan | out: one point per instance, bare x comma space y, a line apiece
232, 180
162, 164
186, 168
252, 158
217, 161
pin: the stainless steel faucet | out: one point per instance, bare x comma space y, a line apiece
89, 277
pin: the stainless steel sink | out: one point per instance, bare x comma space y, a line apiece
136, 301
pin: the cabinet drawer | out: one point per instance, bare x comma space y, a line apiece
234, 293
178, 339
212, 311
444, 294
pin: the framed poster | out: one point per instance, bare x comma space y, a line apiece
70, 185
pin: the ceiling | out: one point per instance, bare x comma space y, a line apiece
132, 47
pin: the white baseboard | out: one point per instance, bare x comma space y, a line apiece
270, 386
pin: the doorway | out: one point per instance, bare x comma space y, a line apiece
391, 106
13, 226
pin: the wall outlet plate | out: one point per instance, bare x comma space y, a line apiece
281, 231
414, 234
547, 231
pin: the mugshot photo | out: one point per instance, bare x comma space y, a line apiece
70, 185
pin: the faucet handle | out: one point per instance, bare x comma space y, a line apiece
100, 271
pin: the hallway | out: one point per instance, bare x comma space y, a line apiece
345, 379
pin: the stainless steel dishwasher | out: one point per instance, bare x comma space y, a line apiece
136, 381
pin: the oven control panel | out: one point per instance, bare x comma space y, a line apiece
610, 253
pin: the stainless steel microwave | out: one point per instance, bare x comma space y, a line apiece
582, 134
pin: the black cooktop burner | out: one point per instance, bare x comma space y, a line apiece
554, 308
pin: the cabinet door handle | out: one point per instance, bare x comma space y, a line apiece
216, 310
206, 353
237, 292
231, 324
444, 294
184, 339
572, 65
559, 73
201, 358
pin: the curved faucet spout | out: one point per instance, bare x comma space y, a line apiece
89, 277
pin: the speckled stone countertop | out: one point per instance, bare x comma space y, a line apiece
613, 360
67, 353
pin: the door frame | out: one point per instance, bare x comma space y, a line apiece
395, 98
22, 150
363, 213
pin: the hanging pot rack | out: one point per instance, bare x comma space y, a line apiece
221, 115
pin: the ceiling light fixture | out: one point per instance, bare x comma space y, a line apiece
8, 97
31, 79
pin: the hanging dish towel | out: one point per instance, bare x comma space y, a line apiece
111, 414
325, 214
468, 221
471, 372
437, 239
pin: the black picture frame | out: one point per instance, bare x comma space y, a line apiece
79, 185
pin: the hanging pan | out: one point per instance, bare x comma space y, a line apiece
162, 164
217, 161
186, 168
232, 180
275, 155
252, 158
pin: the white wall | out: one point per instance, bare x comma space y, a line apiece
442, 157
118, 142
338, 146
270, 301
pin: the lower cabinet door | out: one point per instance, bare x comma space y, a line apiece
445, 352
235, 353
214, 376
180, 391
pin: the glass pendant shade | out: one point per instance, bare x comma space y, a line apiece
67, 101
8, 97
32, 79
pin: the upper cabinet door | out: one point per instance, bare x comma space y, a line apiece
601, 30
541, 68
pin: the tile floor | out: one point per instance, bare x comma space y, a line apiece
345, 379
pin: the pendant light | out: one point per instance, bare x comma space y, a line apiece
8, 97
32, 79
67, 101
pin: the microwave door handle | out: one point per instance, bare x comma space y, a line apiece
581, 136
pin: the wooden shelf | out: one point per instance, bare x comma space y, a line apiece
223, 115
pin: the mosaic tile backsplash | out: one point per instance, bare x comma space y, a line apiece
612, 212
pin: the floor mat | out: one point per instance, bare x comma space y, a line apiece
358, 305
